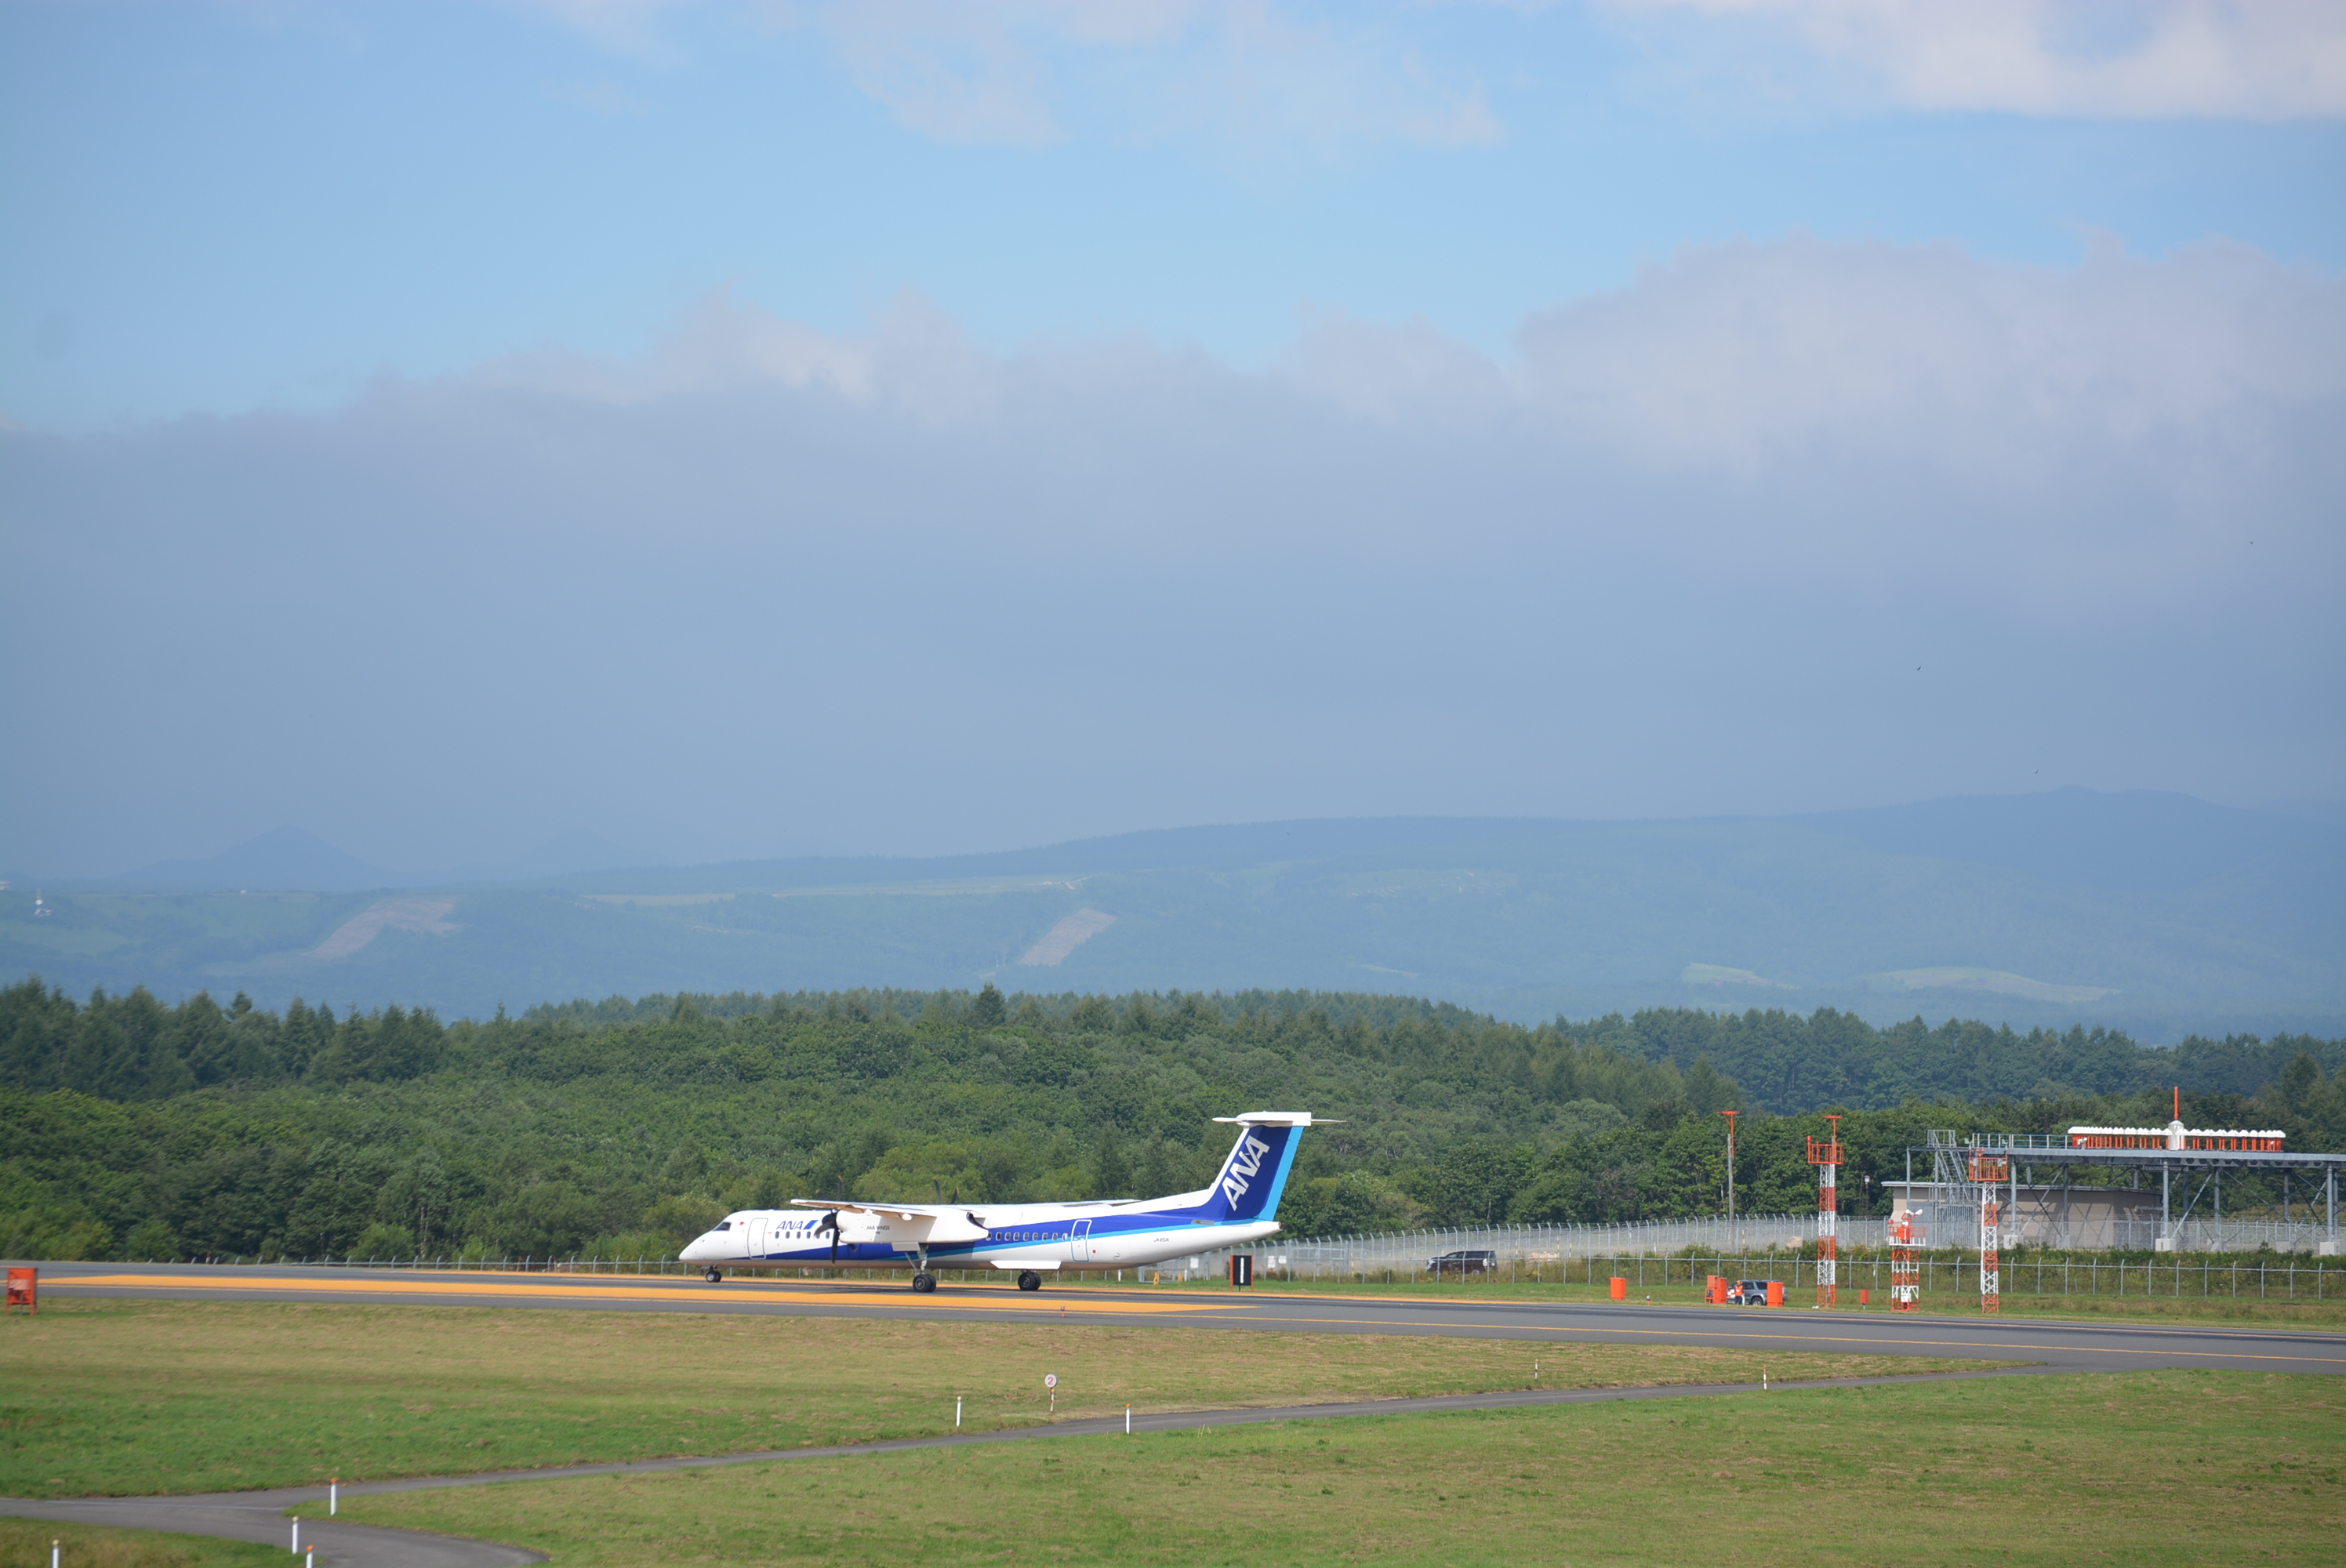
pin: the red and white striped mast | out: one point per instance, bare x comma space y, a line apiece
1991, 1173
1826, 1157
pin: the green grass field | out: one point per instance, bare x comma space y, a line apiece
24, 1543
129, 1397
2140, 1469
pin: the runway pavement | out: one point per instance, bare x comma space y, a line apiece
2053, 1346
2067, 1346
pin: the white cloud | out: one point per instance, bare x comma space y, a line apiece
2106, 422
956, 73
2262, 59
915, 359
1025, 72
1682, 551
1740, 354
631, 28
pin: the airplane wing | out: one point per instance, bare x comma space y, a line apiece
1281, 1119
923, 1221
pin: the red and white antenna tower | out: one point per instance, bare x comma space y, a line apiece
1991, 1172
1905, 1263
1826, 1157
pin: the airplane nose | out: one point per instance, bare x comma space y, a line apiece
695, 1250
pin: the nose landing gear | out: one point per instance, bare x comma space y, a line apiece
713, 1275
1030, 1280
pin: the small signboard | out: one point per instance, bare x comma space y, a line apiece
24, 1288
1050, 1379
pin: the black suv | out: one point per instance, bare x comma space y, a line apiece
1462, 1263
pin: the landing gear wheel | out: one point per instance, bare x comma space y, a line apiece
1030, 1280
714, 1276
923, 1282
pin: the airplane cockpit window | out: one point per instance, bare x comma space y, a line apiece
724, 1225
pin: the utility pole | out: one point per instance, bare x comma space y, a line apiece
1733, 1240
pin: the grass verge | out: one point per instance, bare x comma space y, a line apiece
118, 1397
2140, 1469
24, 1543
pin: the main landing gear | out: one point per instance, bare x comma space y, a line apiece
1030, 1280
923, 1282
714, 1275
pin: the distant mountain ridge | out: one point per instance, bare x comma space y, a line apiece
2155, 912
291, 859
280, 859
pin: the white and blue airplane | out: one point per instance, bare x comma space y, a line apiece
1033, 1238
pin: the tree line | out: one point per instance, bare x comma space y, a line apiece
139, 1129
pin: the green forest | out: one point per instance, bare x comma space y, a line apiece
140, 1130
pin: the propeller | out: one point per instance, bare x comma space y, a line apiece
830, 1222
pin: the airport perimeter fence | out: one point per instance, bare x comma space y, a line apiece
1958, 1224
2230, 1257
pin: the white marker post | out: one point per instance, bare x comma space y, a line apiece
333, 1496
1127, 1421
297, 1533
54, 1547
1051, 1382
957, 1412
309, 1558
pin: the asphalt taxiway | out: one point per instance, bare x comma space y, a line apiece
2061, 1345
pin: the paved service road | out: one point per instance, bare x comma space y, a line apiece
2061, 1346
258, 1515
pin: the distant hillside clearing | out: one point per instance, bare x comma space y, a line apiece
1997, 981
1065, 937
407, 914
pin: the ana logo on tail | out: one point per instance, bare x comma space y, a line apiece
1244, 1163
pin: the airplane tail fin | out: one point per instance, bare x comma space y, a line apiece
1252, 1178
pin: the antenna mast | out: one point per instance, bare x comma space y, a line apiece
1826, 1156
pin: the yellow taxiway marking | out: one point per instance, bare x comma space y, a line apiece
576, 1291
1886, 1347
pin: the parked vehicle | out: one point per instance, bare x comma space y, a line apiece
1462, 1264
1747, 1293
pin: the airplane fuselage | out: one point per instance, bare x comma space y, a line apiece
1047, 1236
1029, 1239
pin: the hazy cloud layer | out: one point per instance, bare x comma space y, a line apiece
1780, 526
2266, 60
1025, 71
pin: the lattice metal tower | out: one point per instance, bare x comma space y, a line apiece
1989, 1172
1826, 1157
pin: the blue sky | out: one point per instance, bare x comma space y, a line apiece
218, 207
1592, 392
